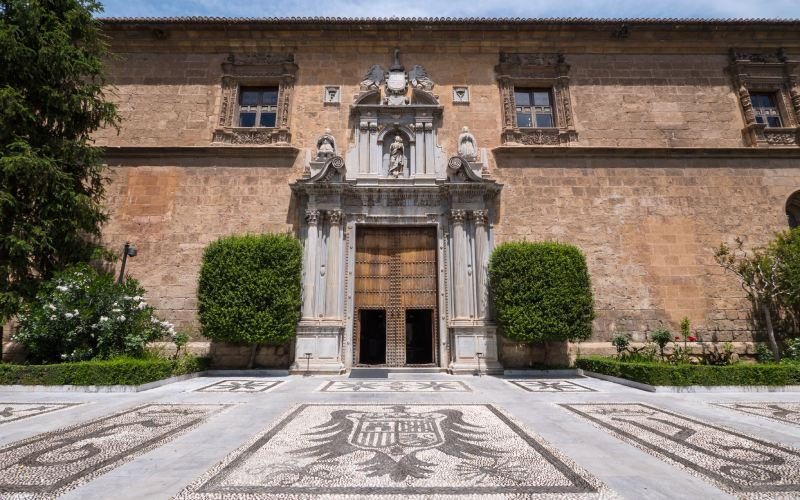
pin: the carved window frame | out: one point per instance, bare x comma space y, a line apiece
545, 71
769, 73
255, 70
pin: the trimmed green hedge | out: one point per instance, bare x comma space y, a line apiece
654, 373
119, 371
541, 291
249, 289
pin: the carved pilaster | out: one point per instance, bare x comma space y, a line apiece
310, 262
481, 260
333, 288
507, 93
312, 217
794, 94
747, 105
228, 101
335, 217
461, 292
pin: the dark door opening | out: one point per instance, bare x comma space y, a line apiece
419, 336
372, 349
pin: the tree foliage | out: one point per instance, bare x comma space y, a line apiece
51, 176
541, 291
249, 289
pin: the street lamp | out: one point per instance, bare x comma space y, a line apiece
127, 251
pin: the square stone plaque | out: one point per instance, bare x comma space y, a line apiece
395, 451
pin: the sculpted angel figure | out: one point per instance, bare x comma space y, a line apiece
466, 145
374, 78
397, 158
326, 145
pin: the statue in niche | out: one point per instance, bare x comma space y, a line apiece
466, 145
326, 145
397, 157
419, 78
374, 78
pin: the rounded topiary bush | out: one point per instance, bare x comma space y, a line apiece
541, 291
249, 289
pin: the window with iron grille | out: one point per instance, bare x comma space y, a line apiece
534, 108
765, 109
258, 106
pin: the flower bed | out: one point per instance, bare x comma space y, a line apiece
665, 374
119, 371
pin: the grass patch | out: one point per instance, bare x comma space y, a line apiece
655, 373
118, 371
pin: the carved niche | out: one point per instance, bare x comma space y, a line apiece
549, 71
239, 70
773, 73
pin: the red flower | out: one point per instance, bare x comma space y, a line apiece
677, 338
692, 339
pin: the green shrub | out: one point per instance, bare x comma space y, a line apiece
786, 248
661, 337
249, 289
81, 314
654, 373
117, 371
621, 342
541, 291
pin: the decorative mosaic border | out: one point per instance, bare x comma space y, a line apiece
6, 409
584, 484
551, 386
394, 386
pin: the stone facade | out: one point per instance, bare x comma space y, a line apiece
653, 161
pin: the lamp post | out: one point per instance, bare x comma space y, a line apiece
127, 251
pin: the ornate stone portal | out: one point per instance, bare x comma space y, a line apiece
396, 174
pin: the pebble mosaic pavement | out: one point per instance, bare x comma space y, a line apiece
782, 412
532, 385
9, 412
744, 465
241, 385
395, 386
402, 435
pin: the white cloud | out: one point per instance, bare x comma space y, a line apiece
450, 8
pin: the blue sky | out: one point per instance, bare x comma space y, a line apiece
455, 8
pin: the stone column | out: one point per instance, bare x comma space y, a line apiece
310, 262
333, 292
481, 258
459, 238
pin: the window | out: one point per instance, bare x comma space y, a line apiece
258, 106
765, 109
793, 210
534, 108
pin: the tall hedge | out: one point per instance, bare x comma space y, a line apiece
249, 289
541, 291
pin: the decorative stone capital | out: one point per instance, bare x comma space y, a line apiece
312, 217
457, 216
481, 216
335, 217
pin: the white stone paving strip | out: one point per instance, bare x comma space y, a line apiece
549, 385
739, 464
10, 412
780, 411
395, 451
52, 463
394, 386
241, 385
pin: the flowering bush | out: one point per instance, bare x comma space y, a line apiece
81, 314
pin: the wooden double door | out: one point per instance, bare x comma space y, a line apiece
395, 296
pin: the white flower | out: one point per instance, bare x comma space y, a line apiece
116, 310
51, 307
63, 356
62, 288
142, 305
69, 315
103, 318
53, 317
136, 297
121, 318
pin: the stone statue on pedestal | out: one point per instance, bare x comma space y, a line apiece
467, 148
397, 157
326, 145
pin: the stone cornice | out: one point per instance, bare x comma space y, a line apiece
522, 152
115, 152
